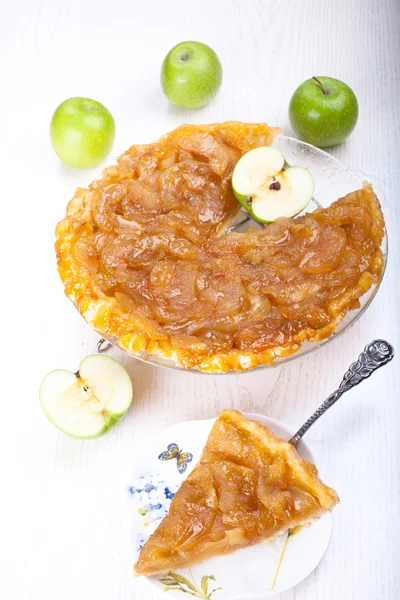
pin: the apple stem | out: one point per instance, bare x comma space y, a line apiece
321, 85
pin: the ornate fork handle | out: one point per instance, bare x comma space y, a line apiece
375, 355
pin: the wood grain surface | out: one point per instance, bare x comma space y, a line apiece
64, 532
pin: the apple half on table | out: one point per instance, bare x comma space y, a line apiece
268, 190
88, 403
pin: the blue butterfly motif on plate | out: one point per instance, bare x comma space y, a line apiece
182, 458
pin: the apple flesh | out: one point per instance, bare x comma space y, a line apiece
88, 403
267, 189
323, 111
191, 74
82, 132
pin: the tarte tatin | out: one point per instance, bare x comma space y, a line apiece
143, 254
249, 486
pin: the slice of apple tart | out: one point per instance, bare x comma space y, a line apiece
249, 486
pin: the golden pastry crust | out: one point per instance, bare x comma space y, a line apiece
249, 486
142, 256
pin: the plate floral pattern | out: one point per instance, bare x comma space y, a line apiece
258, 571
173, 581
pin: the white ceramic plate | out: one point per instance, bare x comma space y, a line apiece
259, 571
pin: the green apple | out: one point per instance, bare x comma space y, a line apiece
323, 111
82, 132
88, 403
267, 189
191, 74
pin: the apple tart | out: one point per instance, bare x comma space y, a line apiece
145, 256
248, 487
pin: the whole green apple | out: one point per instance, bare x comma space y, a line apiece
323, 111
191, 74
82, 132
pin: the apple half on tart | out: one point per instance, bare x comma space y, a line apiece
268, 190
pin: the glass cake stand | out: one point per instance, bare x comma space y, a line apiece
332, 181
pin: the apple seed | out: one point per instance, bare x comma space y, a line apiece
275, 186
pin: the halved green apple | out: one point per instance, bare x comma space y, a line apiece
267, 189
88, 403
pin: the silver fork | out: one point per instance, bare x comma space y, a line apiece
375, 355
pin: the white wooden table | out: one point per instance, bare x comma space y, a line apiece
63, 523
